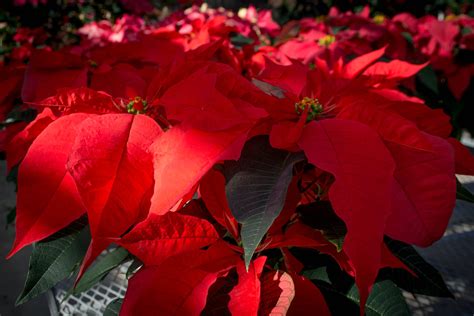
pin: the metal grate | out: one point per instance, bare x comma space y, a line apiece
91, 302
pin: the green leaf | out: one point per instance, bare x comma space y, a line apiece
462, 193
240, 40
269, 89
429, 281
466, 31
408, 37
113, 309
337, 301
333, 282
337, 29
337, 241
100, 269
342, 296
428, 78
319, 273
256, 189
54, 259
133, 268
385, 299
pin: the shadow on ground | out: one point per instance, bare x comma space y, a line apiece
13, 271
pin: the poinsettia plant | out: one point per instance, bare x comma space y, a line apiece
237, 179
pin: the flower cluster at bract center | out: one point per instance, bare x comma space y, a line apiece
217, 147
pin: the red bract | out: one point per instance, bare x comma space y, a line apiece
196, 151
180, 284
84, 100
253, 292
278, 289
441, 36
307, 297
439, 41
49, 71
220, 100
114, 175
212, 189
430, 208
125, 29
392, 71
19, 144
121, 168
119, 69
345, 34
160, 237
333, 146
44, 209
245, 296
330, 143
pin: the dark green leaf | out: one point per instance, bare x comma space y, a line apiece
428, 78
333, 282
337, 241
269, 89
466, 31
385, 299
134, 266
100, 269
240, 40
337, 29
113, 309
18, 114
462, 193
321, 216
337, 301
256, 189
54, 259
428, 282
408, 37
341, 293
321, 267
317, 274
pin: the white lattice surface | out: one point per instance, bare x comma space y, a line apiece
93, 301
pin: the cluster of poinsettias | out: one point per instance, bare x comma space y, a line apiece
442, 42
209, 162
